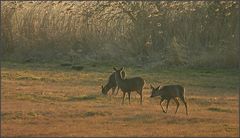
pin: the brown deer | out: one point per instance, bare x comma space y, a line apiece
128, 85
111, 84
169, 92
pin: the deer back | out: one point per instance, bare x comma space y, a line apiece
170, 91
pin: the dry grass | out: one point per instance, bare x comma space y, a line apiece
197, 33
48, 102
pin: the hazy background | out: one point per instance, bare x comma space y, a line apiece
148, 34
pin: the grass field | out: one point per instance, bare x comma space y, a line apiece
50, 100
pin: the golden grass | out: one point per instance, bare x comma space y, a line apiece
71, 105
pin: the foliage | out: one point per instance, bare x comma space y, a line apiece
164, 33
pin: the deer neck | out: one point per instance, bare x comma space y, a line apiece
119, 79
159, 93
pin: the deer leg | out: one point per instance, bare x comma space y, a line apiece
161, 105
129, 97
123, 97
141, 97
117, 90
183, 100
111, 95
113, 90
177, 104
168, 100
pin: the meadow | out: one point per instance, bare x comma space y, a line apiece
53, 100
56, 55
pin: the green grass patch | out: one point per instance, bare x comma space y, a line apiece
92, 113
23, 115
145, 118
216, 109
33, 114
67, 64
13, 115
34, 78
82, 98
191, 120
217, 79
38, 98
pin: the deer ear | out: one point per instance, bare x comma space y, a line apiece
115, 68
123, 74
151, 86
158, 87
122, 68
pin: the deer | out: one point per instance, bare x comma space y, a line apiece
128, 85
169, 92
112, 84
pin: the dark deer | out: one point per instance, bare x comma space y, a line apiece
169, 92
128, 85
111, 84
